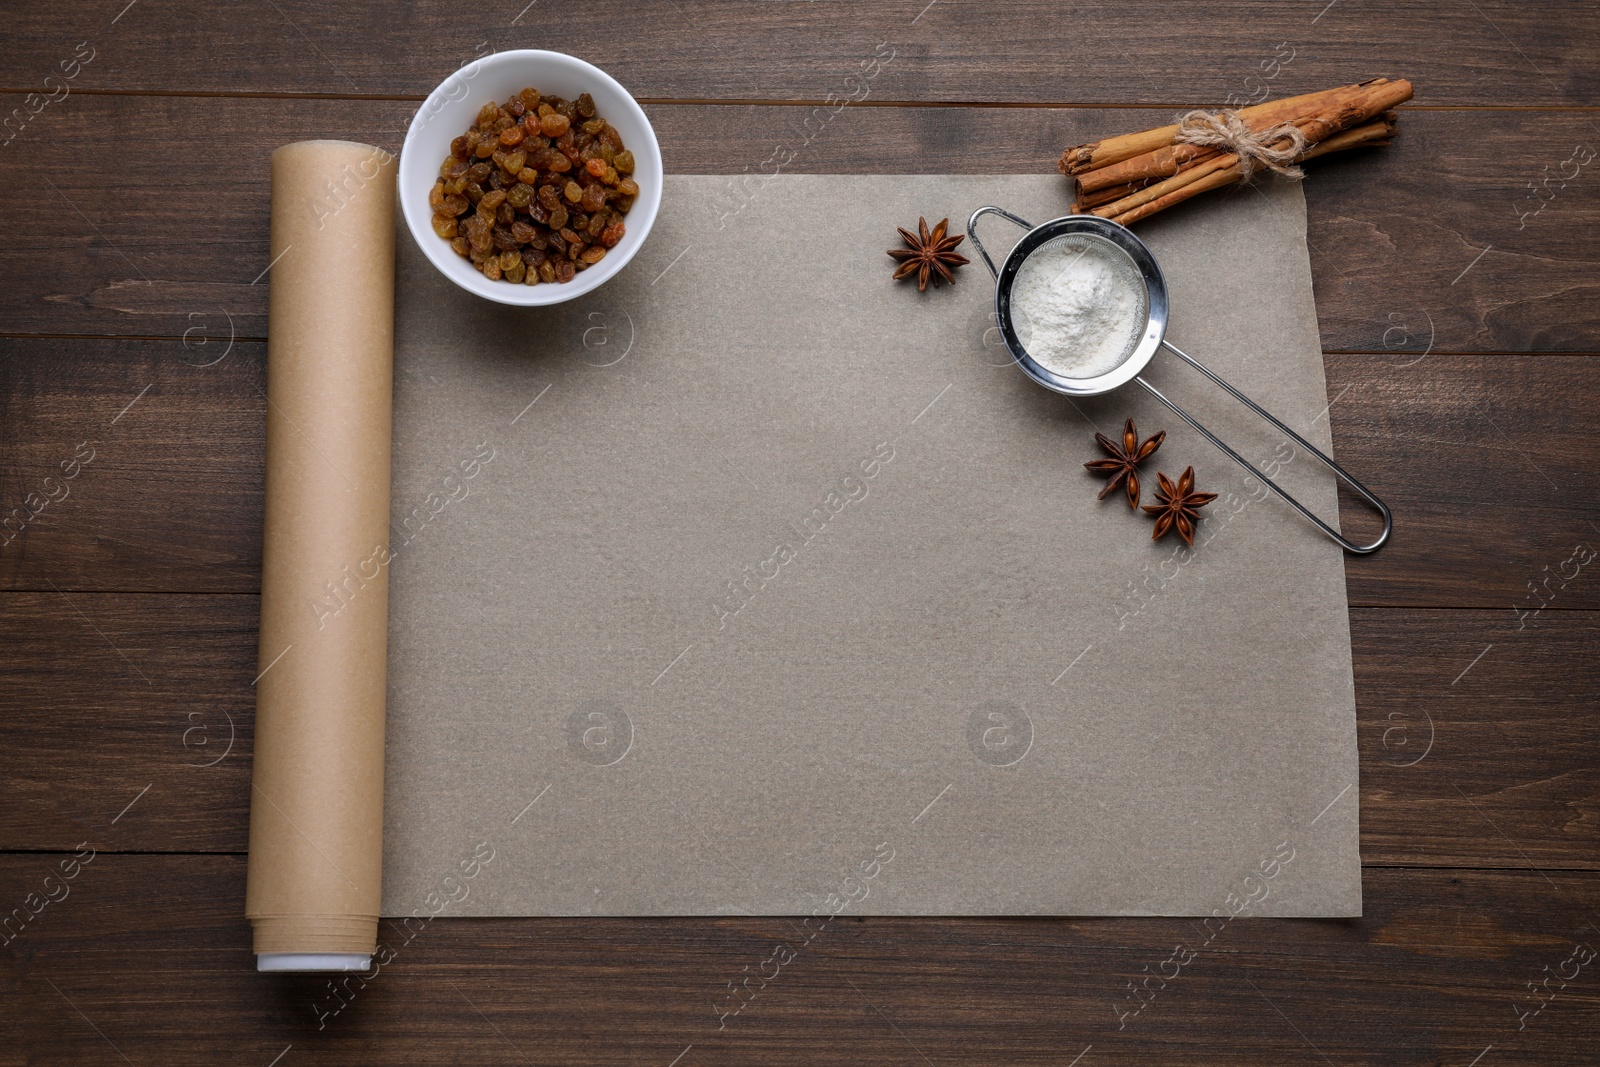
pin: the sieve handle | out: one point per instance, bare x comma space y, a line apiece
1339, 472
972, 233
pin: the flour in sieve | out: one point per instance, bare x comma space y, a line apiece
1078, 307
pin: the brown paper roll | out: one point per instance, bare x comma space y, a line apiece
316, 811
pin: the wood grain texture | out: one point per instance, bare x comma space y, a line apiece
1487, 499
1478, 738
148, 956
1469, 757
1415, 248
126, 720
1462, 330
1168, 53
171, 496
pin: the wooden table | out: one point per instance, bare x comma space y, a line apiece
1457, 278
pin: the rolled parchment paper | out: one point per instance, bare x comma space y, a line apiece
316, 807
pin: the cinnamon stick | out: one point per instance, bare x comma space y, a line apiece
1106, 196
1372, 100
1213, 174
1096, 154
1339, 118
1160, 189
1161, 163
1336, 109
1214, 180
1372, 133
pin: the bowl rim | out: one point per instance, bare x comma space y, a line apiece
447, 262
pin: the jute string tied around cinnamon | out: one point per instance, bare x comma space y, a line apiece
1226, 129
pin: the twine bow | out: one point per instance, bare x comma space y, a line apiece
1225, 129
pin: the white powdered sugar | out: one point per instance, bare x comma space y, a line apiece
1078, 307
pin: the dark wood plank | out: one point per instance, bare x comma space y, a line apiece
163, 441
1488, 52
115, 702
1488, 461
1469, 757
1490, 464
1478, 738
1396, 233
148, 956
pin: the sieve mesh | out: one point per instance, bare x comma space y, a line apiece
1103, 358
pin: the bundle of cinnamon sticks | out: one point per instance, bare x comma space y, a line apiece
1134, 176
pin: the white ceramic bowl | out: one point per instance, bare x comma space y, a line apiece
453, 107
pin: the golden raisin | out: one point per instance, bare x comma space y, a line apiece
477, 230
555, 160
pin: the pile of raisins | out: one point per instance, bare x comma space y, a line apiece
536, 190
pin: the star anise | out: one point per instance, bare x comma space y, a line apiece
1123, 466
1177, 507
928, 255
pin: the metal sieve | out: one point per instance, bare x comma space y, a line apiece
1124, 248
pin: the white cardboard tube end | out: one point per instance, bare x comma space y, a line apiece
312, 961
